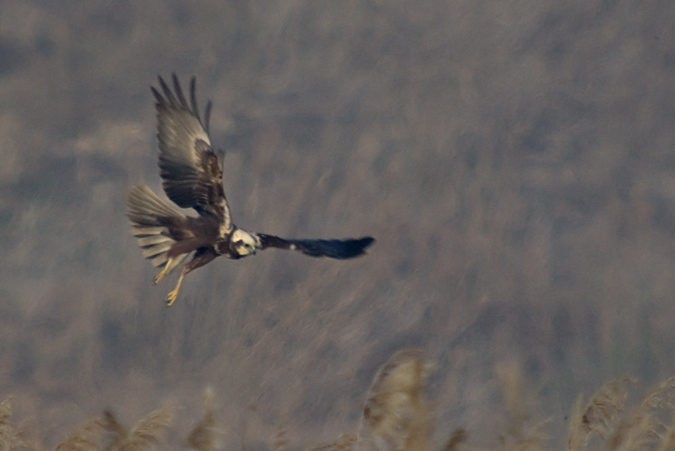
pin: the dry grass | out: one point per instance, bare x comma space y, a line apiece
648, 426
397, 417
599, 416
107, 433
203, 435
520, 433
7, 435
396, 411
14, 438
9, 438
457, 438
280, 441
343, 443
86, 438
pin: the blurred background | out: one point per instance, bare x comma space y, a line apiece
514, 160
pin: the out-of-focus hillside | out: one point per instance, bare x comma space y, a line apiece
514, 159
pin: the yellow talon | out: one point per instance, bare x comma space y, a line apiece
164, 271
171, 297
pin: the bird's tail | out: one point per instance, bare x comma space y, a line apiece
340, 249
150, 218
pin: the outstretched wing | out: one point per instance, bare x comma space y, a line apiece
191, 175
340, 249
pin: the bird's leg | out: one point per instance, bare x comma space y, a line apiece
164, 271
202, 257
171, 297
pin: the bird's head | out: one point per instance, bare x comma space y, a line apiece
244, 243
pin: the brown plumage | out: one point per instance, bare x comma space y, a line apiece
192, 178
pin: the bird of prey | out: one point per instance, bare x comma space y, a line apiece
192, 178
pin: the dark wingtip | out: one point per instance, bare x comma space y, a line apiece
343, 249
367, 241
338, 249
364, 243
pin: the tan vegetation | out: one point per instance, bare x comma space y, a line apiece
395, 410
397, 417
107, 433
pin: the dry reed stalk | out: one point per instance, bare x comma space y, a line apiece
114, 431
203, 435
343, 443
520, 435
645, 428
396, 411
456, 440
145, 434
6, 430
280, 442
86, 438
600, 415
14, 438
668, 438
107, 433
8, 436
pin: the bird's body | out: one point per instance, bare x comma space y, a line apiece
192, 178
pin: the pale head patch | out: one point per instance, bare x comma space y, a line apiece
244, 243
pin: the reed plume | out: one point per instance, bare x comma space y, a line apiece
203, 435
395, 410
600, 415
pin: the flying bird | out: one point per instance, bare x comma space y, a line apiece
192, 178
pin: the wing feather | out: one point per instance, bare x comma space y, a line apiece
339, 249
191, 175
